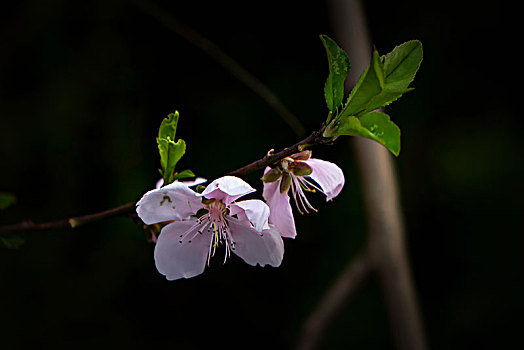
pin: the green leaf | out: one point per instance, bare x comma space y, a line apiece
375, 126
370, 84
338, 71
385, 80
170, 151
6, 200
12, 241
401, 64
170, 154
168, 127
183, 174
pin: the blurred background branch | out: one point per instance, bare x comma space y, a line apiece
385, 253
216, 53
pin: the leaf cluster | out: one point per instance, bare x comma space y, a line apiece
170, 151
384, 81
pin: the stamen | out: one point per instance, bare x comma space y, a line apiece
297, 191
191, 229
306, 181
216, 218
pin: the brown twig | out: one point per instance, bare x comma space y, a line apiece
69, 223
314, 139
226, 61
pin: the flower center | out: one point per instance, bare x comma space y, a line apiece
214, 221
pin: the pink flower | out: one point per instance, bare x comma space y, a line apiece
296, 172
204, 221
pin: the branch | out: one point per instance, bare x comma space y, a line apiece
315, 139
69, 223
225, 61
312, 140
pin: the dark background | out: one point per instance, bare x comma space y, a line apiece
83, 88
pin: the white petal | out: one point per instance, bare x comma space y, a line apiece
255, 211
254, 248
181, 260
197, 181
280, 213
328, 175
175, 201
227, 189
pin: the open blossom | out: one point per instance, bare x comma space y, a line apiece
296, 172
203, 221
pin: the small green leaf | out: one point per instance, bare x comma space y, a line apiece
6, 200
168, 126
338, 71
401, 64
375, 126
370, 84
170, 154
12, 241
183, 174
385, 80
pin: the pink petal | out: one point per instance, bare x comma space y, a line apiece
227, 189
328, 175
280, 213
254, 211
175, 201
197, 181
181, 260
254, 248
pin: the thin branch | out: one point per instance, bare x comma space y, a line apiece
312, 140
225, 60
69, 223
333, 301
315, 139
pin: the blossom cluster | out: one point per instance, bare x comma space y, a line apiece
197, 223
